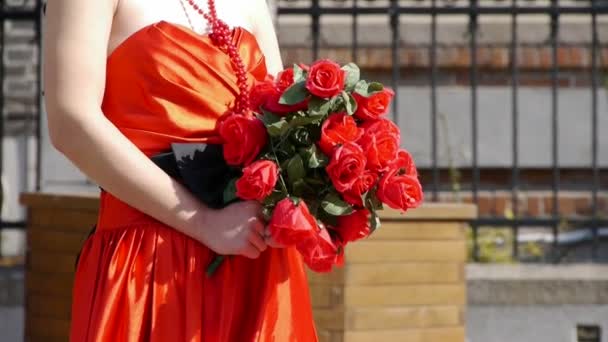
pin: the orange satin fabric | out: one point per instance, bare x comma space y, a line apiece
140, 280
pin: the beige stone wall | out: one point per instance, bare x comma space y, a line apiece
406, 283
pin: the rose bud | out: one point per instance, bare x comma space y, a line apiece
258, 180
292, 223
320, 252
325, 79
243, 139
373, 106
354, 226
400, 191
337, 130
346, 166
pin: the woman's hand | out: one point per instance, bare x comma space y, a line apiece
237, 229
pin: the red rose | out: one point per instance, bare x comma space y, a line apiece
400, 191
258, 180
243, 138
346, 166
381, 126
354, 226
319, 252
272, 104
405, 163
291, 223
362, 185
284, 79
325, 79
260, 93
380, 150
337, 130
374, 105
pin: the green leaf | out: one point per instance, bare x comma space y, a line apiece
304, 120
319, 107
302, 189
374, 87
361, 88
299, 75
269, 118
267, 213
373, 201
314, 158
353, 74
295, 169
273, 198
350, 104
374, 220
334, 205
294, 94
230, 191
278, 128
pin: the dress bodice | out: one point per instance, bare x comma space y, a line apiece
166, 83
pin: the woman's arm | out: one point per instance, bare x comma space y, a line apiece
76, 35
265, 34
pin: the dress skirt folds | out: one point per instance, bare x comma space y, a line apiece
140, 280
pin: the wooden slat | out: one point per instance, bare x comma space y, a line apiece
60, 201
404, 273
430, 211
44, 240
419, 231
49, 306
404, 318
45, 338
455, 334
326, 296
329, 319
51, 262
378, 296
49, 284
47, 327
335, 277
398, 251
62, 220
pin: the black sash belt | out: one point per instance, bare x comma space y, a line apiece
199, 167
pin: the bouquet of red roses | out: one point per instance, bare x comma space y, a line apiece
321, 156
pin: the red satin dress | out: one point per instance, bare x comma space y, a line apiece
140, 280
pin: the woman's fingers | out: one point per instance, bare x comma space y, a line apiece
256, 238
250, 251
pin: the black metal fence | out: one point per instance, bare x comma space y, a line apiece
434, 10
555, 10
28, 120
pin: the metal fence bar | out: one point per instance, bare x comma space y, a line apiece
315, 12
433, 77
554, 41
38, 122
450, 10
473, 29
594, 132
515, 130
394, 23
355, 33
2, 116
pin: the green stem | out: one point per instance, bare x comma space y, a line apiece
281, 180
215, 263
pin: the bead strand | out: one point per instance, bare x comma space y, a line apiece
222, 37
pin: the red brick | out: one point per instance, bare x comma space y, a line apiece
464, 58
500, 58
545, 58
484, 56
567, 205
529, 58
563, 57
580, 57
485, 206
500, 204
535, 207
582, 206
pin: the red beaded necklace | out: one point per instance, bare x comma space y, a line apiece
222, 38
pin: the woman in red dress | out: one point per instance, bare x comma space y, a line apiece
123, 80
